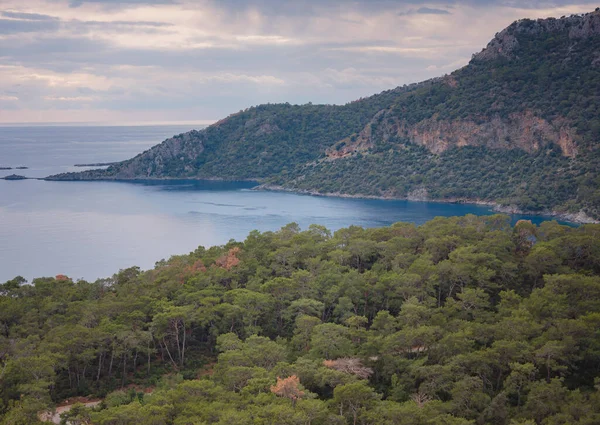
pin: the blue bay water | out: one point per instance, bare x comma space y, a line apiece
92, 229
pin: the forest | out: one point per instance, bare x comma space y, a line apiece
460, 321
530, 182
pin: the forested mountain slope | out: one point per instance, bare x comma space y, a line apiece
461, 321
519, 125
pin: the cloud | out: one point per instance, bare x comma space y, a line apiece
119, 3
69, 99
27, 16
432, 11
396, 50
123, 24
448, 67
203, 59
15, 26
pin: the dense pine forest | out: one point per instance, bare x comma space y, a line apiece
459, 321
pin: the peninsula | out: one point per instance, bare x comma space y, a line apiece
518, 127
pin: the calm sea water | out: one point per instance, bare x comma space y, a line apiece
92, 229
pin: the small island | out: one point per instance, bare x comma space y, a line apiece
14, 177
21, 168
5, 168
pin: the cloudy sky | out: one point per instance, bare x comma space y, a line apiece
128, 61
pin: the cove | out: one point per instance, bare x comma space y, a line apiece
91, 230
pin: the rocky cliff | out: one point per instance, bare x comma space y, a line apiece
522, 130
511, 111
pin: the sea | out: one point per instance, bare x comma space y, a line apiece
91, 230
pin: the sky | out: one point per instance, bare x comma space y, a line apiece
167, 61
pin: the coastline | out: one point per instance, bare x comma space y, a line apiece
139, 179
577, 218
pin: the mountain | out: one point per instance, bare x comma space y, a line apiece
518, 126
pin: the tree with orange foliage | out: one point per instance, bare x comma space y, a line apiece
289, 388
229, 260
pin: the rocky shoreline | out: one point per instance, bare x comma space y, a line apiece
578, 218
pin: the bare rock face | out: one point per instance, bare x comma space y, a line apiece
502, 45
520, 130
525, 131
586, 26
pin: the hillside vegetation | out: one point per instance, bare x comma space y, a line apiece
459, 321
518, 126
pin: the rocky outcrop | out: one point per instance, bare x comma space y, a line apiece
524, 131
180, 151
505, 43
183, 149
520, 130
502, 45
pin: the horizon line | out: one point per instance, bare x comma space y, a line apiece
106, 123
